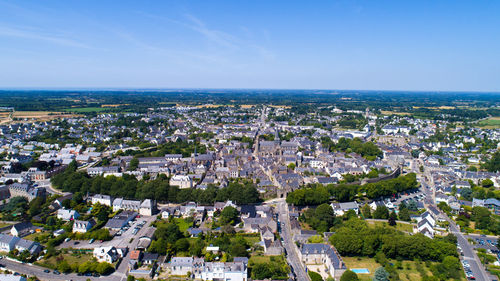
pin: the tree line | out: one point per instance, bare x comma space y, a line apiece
356, 238
368, 150
158, 189
319, 194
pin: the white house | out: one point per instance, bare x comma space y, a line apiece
102, 199
340, 208
7, 242
67, 215
425, 225
147, 207
82, 226
180, 266
108, 254
182, 181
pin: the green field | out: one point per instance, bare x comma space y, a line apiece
86, 109
491, 123
408, 271
73, 259
182, 224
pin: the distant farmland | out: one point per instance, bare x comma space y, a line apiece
86, 109
490, 123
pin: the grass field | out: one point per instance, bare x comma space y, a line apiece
399, 226
387, 112
71, 258
40, 235
490, 123
86, 109
182, 224
32, 116
251, 239
408, 271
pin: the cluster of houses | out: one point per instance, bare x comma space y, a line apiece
25, 190
145, 208
199, 269
491, 204
426, 224
9, 243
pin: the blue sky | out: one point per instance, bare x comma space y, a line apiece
381, 45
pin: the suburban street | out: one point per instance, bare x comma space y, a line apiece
119, 274
34, 270
291, 249
469, 254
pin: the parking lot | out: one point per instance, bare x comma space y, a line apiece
120, 239
485, 242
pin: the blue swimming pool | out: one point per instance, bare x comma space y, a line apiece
360, 270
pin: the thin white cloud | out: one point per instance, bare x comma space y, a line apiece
218, 37
38, 35
213, 35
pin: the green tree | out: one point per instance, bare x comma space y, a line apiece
314, 276
381, 213
404, 215
134, 164
104, 268
487, 183
64, 267
392, 219
366, 211
182, 245
449, 268
444, 207
493, 165
229, 215
381, 275
349, 275
101, 212
238, 250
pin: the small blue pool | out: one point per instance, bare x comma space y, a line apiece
360, 270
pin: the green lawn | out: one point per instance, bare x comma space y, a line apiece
86, 109
39, 235
71, 258
493, 122
408, 272
182, 224
250, 238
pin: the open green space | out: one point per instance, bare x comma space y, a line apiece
408, 270
86, 109
492, 122
73, 259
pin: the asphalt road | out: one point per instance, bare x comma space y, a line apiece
34, 270
291, 248
469, 255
